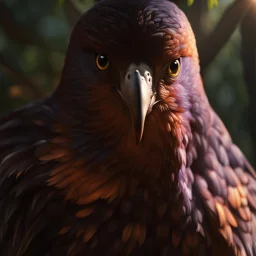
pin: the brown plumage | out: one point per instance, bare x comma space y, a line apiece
126, 157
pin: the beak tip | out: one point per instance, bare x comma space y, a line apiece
139, 135
138, 140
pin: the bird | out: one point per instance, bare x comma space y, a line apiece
126, 156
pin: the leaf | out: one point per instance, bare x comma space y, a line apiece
212, 3
190, 2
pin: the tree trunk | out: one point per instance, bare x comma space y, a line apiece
248, 56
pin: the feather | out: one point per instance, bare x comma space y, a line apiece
127, 233
176, 238
234, 197
221, 214
230, 217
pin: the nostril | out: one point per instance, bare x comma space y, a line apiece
148, 74
128, 77
149, 79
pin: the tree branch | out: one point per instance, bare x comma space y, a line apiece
19, 77
196, 15
214, 42
248, 56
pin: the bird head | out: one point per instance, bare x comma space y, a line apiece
131, 74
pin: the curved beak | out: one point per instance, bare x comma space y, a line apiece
137, 93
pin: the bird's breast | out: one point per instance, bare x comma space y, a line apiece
138, 221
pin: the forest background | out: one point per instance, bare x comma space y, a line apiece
34, 36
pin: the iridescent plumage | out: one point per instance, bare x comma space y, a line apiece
73, 179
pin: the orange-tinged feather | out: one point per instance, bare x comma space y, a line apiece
221, 214
89, 233
86, 199
64, 230
245, 213
110, 190
59, 178
84, 213
69, 180
227, 234
72, 191
60, 140
244, 201
19, 173
241, 191
230, 217
61, 168
234, 197
93, 182
54, 153
127, 233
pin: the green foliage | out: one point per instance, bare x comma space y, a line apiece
190, 2
210, 3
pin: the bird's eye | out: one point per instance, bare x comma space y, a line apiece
174, 68
102, 62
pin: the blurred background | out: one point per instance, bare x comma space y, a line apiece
34, 37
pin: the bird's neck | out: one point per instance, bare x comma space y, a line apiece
108, 165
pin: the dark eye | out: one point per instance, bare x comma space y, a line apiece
174, 68
102, 62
